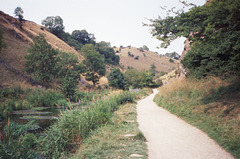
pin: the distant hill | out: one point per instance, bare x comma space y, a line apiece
142, 60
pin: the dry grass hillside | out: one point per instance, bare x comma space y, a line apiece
18, 37
18, 40
145, 60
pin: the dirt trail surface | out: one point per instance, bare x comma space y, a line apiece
169, 137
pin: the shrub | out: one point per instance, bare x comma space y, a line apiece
136, 58
141, 49
116, 79
140, 136
159, 82
171, 60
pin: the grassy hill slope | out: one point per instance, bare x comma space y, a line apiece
18, 38
145, 60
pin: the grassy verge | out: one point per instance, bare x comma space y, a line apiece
120, 138
67, 133
211, 105
74, 126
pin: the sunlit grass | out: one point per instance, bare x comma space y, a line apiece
210, 104
118, 139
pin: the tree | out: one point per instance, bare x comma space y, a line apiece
141, 49
55, 24
116, 59
173, 55
69, 69
83, 37
116, 79
213, 30
145, 48
132, 78
41, 60
19, 13
147, 80
2, 44
105, 49
138, 79
94, 63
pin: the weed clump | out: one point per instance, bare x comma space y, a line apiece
140, 136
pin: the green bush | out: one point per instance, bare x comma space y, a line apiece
116, 79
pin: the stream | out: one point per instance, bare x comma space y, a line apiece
43, 116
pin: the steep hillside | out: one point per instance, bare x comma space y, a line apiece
18, 37
142, 60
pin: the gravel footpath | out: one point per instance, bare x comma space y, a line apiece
169, 137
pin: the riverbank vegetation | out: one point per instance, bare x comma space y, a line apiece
67, 132
18, 98
210, 104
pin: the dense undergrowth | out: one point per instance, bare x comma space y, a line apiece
66, 134
210, 104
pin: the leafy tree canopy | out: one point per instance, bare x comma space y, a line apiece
173, 55
116, 79
144, 47
69, 69
41, 60
105, 49
83, 37
94, 63
19, 13
213, 30
138, 79
55, 24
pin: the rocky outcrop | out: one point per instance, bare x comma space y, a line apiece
182, 70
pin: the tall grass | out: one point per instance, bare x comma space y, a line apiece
85, 97
74, 125
16, 142
67, 133
204, 103
17, 98
44, 98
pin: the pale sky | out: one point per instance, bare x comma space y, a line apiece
116, 21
